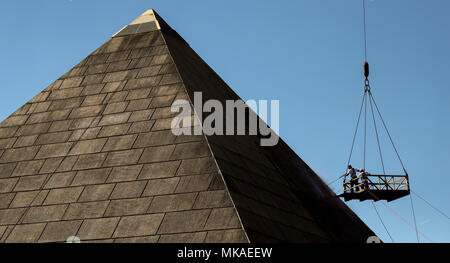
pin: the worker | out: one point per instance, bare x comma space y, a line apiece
364, 180
353, 178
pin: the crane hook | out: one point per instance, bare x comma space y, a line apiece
366, 70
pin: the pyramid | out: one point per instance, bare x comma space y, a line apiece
93, 156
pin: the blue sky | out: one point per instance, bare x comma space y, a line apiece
308, 54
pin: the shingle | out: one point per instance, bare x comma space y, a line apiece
96, 192
116, 96
48, 116
81, 123
76, 135
25, 233
66, 103
10, 216
40, 97
67, 164
97, 59
157, 154
50, 165
170, 79
128, 189
60, 126
89, 161
115, 118
10, 131
162, 101
123, 157
125, 207
114, 86
120, 75
95, 69
161, 186
113, 130
63, 195
98, 228
39, 107
185, 221
125, 173
117, 56
223, 218
168, 68
142, 126
93, 79
28, 168
118, 66
7, 169
29, 198
94, 176
115, 107
163, 124
141, 115
87, 111
55, 137
194, 183
88, 146
146, 239
159, 170
19, 154
140, 104
30, 182
162, 113
14, 121
167, 90
212, 199
226, 236
71, 82
24, 109
5, 200
86, 210
24, 141
196, 237
6, 185
92, 89
77, 71
197, 166
92, 100
60, 180
169, 203
90, 133
141, 84
191, 150
143, 62
120, 143
45, 213
155, 138
161, 59
149, 71
65, 93
54, 150
60, 231
140, 225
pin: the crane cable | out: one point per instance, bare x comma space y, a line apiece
371, 99
381, 220
399, 216
432, 206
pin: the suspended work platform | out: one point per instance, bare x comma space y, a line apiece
378, 187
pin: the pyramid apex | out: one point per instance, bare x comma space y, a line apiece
146, 22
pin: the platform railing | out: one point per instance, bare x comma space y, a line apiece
378, 183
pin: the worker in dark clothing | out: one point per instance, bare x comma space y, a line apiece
353, 178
